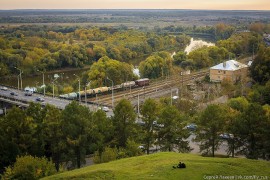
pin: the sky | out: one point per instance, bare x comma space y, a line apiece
137, 4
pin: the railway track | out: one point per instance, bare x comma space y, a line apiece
131, 94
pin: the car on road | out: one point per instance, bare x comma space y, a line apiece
226, 136
191, 127
4, 88
13, 93
28, 93
105, 108
40, 99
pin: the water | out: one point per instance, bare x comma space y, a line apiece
196, 44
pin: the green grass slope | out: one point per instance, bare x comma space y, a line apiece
159, 166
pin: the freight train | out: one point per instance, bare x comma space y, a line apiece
105, 89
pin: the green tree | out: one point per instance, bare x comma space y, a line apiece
8, 149
99, 52
117, 71
172, 133
180, 57
124, 123
55, 142
211, 124
19, 129
249, 127
101, 132
239, 103
37, 114
260, 68
149, 112
76, 119
155, 66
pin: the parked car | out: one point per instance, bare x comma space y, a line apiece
28, 93
105, 108
226, 136
191, 127
40, 99
13, 93
4, 88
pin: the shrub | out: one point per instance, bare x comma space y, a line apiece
109, 154
29, 167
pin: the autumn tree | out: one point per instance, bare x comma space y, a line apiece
155, 66
117, 71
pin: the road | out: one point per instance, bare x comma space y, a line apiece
59, 103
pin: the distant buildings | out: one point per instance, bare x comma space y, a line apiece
231, 70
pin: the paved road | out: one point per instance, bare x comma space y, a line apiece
60, 103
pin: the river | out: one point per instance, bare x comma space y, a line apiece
196, 44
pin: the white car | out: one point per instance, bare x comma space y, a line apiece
105, 108
4, 88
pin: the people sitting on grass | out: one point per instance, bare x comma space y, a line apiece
180, 165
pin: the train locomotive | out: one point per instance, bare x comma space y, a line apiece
105, 89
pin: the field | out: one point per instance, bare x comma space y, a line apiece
159, 166
131, 18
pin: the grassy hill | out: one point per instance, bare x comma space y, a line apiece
159, 166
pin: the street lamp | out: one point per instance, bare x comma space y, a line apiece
43, 82
79, 87
53, 85
112, 91
20, 77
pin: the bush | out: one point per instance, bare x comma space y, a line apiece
109, 154
29, 167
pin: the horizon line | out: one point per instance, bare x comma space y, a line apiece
136, 9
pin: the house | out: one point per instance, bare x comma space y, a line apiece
231, 70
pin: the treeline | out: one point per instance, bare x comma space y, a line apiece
68, 135
35, 47
238, 45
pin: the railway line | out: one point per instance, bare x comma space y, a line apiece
131, 94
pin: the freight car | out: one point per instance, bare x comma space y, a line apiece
142, 82
128, 84
104, 90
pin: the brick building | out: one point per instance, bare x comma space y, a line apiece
231, 70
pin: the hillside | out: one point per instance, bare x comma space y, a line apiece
159, 166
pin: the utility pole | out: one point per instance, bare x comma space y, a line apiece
85, 92
53, 84
139, 101
20, 76
112, 92
79, 87
43, 79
